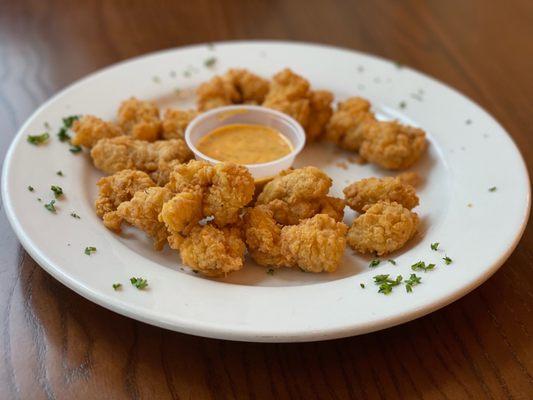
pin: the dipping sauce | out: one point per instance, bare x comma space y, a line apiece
244, 144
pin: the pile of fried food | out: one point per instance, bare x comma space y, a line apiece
213, 214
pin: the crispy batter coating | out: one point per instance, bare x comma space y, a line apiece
315, 244
348, 124
319, 114
142, 211
213, 251
289, 93
332, 206
161, 175
295, 194
226, 188
263, 237
369, 191
382, 229
90, 129
410, 178
123, 152
234, 87
175, 122
180, 214
139, 119
119, 187
392, 145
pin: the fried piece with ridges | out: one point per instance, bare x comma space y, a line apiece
175, 122
139, 119
90, 129
320, 112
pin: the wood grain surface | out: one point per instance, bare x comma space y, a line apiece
56, 345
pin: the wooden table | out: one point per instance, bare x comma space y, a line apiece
56, 345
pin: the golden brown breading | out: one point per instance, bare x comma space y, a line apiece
139, 119
90, 129
226, 188
263, 237
161, 175
289, 93
349, 122
213, 251
234, 87
175, 122
294, 195
369, 191
315, 244
180, 214
319, 113
123, 152
142, 211
119, 187
382, 229
392, 145
332, 206
410, 178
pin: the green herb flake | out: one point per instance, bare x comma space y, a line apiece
421, 266
30, 188
68, 121
374, 263
156, 79
50, 206
38, 139
362, 285
39, 199
74, 215
393, 262
59, 173
75, 149
58, 191
117, 286
270, 271
386, 284
139, 283
90, 250
493, 189
46, 125
447, 260
210, 62
210, 46
412, 281
403, 105
435, 246
468, 122
62, 135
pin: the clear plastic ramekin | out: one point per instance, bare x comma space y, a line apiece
243, 114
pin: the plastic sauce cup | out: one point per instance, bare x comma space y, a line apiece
243, 114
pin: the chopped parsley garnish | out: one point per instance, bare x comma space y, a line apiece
74, 215
412, 281
421, 266
435, 246
447, 260
30, 188
403, 104
62, 135
398, 64
139, 283
187, 74
386, 284
90, 250
38, 139
39, 199
117, 286
374, 263
393, 262
68, 121
58, 191
493, 189
362, 285
195, 271
50, 206
59, 173
75, 149
468, 121
210, 62
270, 271
46, 125
210, 46
156, 79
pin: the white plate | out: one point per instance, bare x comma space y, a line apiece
469, 153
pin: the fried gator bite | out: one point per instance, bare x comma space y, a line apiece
143, 210
348, 124
123, 152
383, 228
116, 189
392, 145
139, 119
236, 86
372, 190
226, 188
315, 244
175, 122
90, 129
213, 251
297, 194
